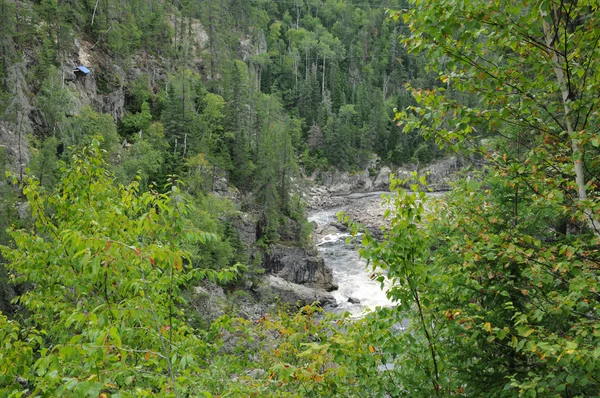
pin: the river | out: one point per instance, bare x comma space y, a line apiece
349, 271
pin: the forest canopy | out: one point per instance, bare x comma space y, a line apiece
117, 218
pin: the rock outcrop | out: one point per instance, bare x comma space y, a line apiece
299, 266
444, 172
337, 189
319, 198
14, 149
208, 300
295, 276
382, 182
299, 295
342, 183
16, 123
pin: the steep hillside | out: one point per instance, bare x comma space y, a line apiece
233, 101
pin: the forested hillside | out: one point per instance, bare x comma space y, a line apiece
145, 141
250, 90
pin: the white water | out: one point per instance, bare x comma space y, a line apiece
349, 271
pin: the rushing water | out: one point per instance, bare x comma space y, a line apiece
349, 271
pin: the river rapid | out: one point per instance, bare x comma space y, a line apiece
349, 271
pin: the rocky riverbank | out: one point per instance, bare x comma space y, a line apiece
298, 276
337, 189
360, 195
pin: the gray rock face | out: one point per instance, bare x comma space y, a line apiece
245, 225
16, 123
112, 103
328, 230
318, 197
442, 173
299, 266
342, 183
254, 44
382, 182
337, 188
209, 301
299, 295
14, 148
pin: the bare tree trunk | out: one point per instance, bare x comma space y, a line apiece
386, 82
296, 75
58, 33
94, 13
323, 82
211, 41
4, 52
566, 100
19, 129
297, 16
306, 78
184, 144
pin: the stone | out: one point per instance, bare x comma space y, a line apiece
440, 174
245, 225
298, 295
382, 182
300, 266
342, 183
353, 300
14, 148
329, 230
209, 301
256, 373
341, 227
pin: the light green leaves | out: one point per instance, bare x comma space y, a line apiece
107, 266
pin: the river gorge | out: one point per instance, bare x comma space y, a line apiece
356, 292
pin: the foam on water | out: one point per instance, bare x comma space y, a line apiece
349, 271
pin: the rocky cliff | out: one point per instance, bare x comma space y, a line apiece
300, 266
334, 189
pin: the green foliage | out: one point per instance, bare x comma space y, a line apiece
217, 253
312, 162
276, 166
55, 102
86, 126
106, 265
181, 114
138, 122
311, 354
8, 216
402, 259
44, 164
500, 284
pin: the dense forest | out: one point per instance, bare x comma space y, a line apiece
251, 89
125, 178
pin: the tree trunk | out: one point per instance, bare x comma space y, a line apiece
566, 99
323, 82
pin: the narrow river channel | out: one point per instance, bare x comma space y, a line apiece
349, 271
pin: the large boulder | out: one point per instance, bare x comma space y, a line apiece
442, 173
294, 294
300, 266
209, 302
382, 182
405, 174
318, 197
